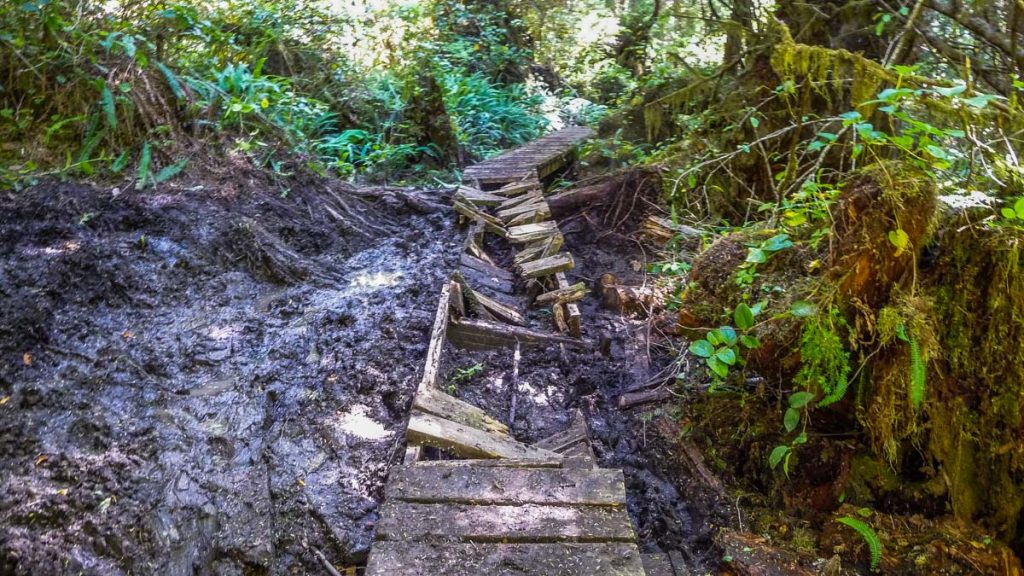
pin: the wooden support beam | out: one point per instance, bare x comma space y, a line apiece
435, 402
428, 430
548, 266
412, 521
437, 338
497, 486
530, 217
501, 311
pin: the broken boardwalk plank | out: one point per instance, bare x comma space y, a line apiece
454, 559
466, 441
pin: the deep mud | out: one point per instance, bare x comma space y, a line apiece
201, 381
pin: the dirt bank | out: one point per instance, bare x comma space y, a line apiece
204, 380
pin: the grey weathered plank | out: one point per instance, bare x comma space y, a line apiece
436, 402
483, 334
491, 224
478, 198
547, 266
495, 462
500, 310
538, 207
453, 559
485, 267
529, 232
437, 338
508, 486
411, 521
467, 441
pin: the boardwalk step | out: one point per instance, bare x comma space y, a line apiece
478, 198
435, 402
508, 486
429, 430
547, 266
529, 232
502, 523
417, 559
573, 444
555, 462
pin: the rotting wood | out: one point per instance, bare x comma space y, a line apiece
662, 229
657, 564
474, 559
532, 251
577, 432
572, 293
552, 245
508, 486
518, 188
529, 232
469, 296
495, 462
437, 337
501, 311
539, 208
518, 200
502, 523
572, 310
558, 315
412, 454
436, 402
478, 198
485, 268
529, 217
466, 441
495, 335
491, 223
457, 302
632, 399
548, 266
481, 280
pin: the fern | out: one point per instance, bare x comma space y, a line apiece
869, 536
109, 109
917, 374
170, 171
172, 81
144, 162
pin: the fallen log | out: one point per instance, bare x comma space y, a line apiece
632, 399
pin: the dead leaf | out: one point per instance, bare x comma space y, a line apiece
26, 359
5, 400
42, 458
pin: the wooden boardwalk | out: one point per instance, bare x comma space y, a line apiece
535, 160
498, 506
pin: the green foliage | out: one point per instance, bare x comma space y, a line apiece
722, 347
463, 375
758, 253
825, 362
487, 117
868, 534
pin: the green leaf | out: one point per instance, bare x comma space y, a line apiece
172, 81
776, 456
714, 337
750, 341
980, 101
900, 240
803, 309
870, 537
776, 243
109, 109
718, 367
171, 171
727, 355
119, 163
144, 162
1008, 213
937, 152
800, 399
756, 256
728, 335
1018, 207
702, 348
791, 420
754, 121
951, 91
743, 316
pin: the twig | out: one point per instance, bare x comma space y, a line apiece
327, 565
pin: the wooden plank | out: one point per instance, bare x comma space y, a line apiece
491, 224
485, 267
412, 454
478, 198
508, 486
530, 217
453, 559
436, 402
576, 432
467, 441
437, 337
495, 462
528, 232
469, 330
500, 310
522, 199
538, 206
573, 316
518, 188
563, 294
547, 266
478, 279
411, 521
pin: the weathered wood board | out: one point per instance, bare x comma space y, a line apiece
547, 266
508, 486
482, 335
436, 402
467, 441
502, 523
475, 559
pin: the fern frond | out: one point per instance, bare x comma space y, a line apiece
870, 537
109, 108
917, 374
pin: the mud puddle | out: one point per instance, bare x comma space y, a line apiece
197, 382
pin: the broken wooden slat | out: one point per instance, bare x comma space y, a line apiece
497, 559
436, 402
482, 334
478, 198
547, 266
631, 399
508, 486
410, 521
457, 303
518, 188
429, 430
519, 200
501, 311
412, 454
485, 268
480, 279
528, 232
538, 207
530, 217
491, 223
496, 462
563, 295
572, 310
577, 432
437, 337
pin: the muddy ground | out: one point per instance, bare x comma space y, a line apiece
204, 380
214, 379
